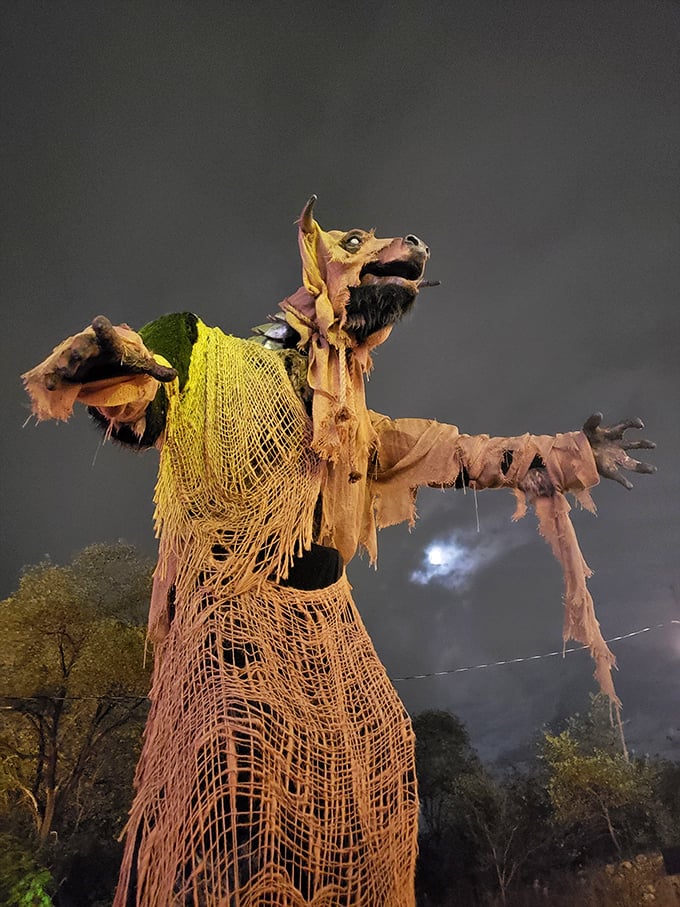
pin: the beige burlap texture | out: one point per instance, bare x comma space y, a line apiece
278, 762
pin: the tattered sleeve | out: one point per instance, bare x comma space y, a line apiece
417, 452
122, 397
129, 406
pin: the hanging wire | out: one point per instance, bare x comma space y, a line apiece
478, 667
512, 661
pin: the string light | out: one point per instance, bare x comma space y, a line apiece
512, 661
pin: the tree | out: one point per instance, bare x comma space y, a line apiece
595, 789
444, 759
443, 755
508, 818
73, 698
478, 831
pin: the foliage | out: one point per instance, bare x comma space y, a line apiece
444, 758
22, 880
596, 791
538, 837
592, 788
597, 727
30, 891
73, 701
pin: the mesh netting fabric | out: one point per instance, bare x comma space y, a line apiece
278, 762
237, 483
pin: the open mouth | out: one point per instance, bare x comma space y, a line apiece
403, 269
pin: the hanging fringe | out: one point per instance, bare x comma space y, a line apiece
580, 622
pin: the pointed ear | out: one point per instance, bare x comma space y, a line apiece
306, 221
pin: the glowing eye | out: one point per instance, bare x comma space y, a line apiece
352, 243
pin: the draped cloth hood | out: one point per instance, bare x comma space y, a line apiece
337, 363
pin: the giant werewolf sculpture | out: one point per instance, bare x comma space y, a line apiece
278, 764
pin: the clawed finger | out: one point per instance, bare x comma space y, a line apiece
645, 468
160, 372
592, 423
108, 339
629, 463
616, 431
111, 344
613, 473
638, 445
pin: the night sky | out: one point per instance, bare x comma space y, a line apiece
154, 158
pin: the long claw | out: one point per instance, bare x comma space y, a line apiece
160, 372
107, 337
646, 468
615, 432
617, 477
111, 345
638, 445
630, 423
592, 423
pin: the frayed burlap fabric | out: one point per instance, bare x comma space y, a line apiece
278, 762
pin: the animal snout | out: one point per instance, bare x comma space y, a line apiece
414, 240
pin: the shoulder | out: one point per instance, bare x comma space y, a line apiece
173, 337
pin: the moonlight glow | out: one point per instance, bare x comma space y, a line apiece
453, 560
442, 555
450, 562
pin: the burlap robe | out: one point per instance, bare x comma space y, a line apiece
278, 762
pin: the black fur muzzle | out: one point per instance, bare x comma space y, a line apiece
377, 306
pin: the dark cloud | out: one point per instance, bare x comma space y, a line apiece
156, 156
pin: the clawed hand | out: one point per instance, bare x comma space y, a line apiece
609, 448
92, 357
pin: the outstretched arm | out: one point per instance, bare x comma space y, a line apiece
414, 452
417, 452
